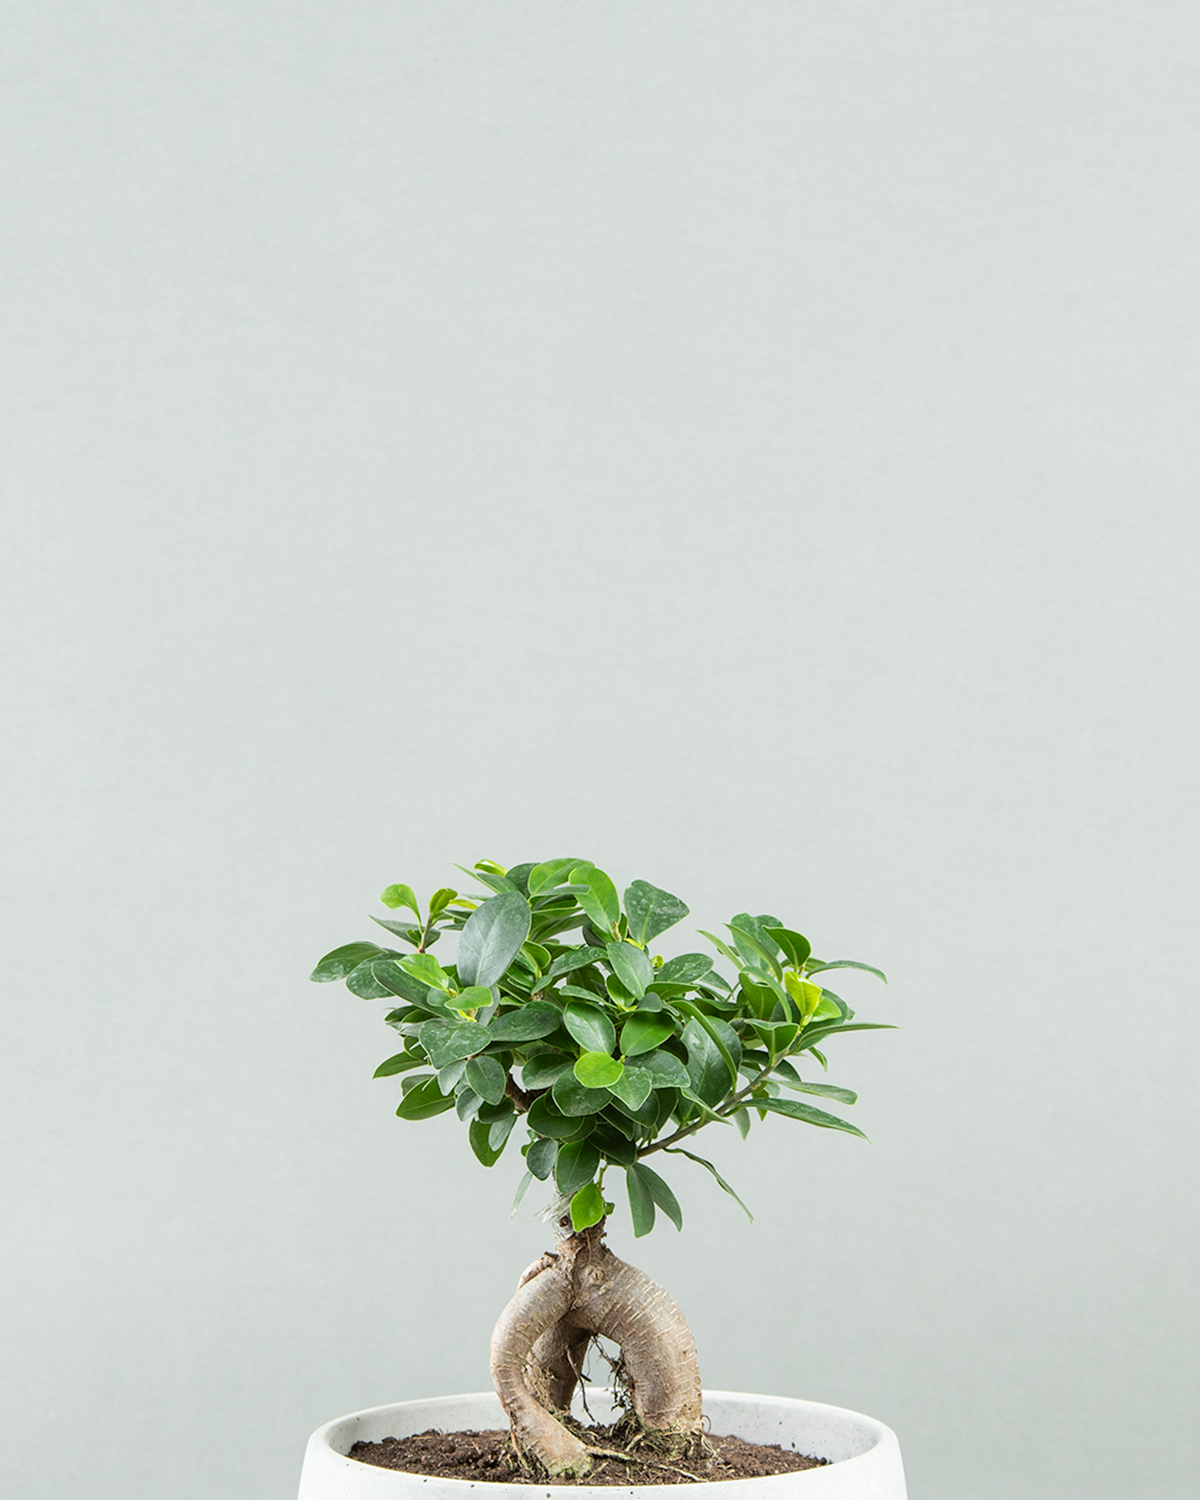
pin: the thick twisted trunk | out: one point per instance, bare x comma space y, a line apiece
540, 1340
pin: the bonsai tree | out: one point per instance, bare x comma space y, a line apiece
557, 1012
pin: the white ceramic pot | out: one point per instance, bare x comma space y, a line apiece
864, 1454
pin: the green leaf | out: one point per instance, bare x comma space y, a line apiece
612, 1143
425, 967
528, 1023
525, 1181
424, 1101
651, 911
440, 900
590, 1027
474, 997
541, 1156
808, 1114
362, 982
450, 1076
398, 981
487, 1078
720, 1037
644, 1031
685, 969
662, 1195
598, 1070
679, 1151
401, 895
665, 1069
546, 1118
587, 1207
403, 1062
448, 1041
787, 1074
345, 960
641, 1203
479, 1133
752, 942
723, 947
540, 1071
406, 930
632, 968
847, 963
578, 1162
567, 963
795, 945
741, 1118
549, 874
632, 1087
489, 877
575, 1098
467, 1103
491, 938
598, 898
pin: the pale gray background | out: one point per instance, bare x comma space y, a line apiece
749, 445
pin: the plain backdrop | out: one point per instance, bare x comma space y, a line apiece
751, 446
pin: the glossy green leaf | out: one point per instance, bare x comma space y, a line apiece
448, 1041
590, 1027
598, 898
753, 944
541, 1156
632, 968
577, 1163
479, 1133
545, 1118
685, 969
487, 1078
492, 938
403, 1062
665, 1069
641, 1203
398, 981
568, 963
521, 1190
787, 1074
644, 1031
450, 1076
425, 967
401, 895
552, 872
598, 1070
796, 947
632, 1087
345, 960
651, 911
723, 1037
489, 877
679, 1151
405, 930
723, 947
361, 981
613, 1143
540, 1071
847, 963
587, 1207
575, 1098
467, 1103
424, 1101
808, 1114
662, 1195
528, 1023
741, 1118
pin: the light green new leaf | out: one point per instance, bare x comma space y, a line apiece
598, 1070
598, 897
651, 911
590, 1027
425, 967
587, 1207
632, 968
492, 938
401, 895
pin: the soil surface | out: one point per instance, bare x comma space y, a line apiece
487, 1457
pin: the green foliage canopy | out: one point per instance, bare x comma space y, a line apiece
608, 1052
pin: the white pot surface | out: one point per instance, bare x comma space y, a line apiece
864, 1454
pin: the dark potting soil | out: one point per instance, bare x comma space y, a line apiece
486, 1457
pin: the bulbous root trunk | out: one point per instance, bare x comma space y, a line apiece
561, 1301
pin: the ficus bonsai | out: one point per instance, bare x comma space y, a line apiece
611, 1056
